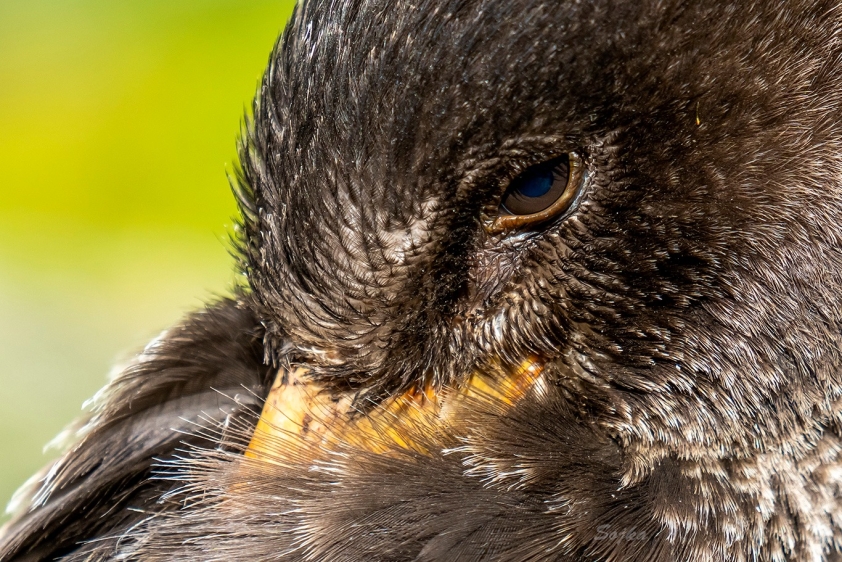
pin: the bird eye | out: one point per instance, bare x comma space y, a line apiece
540, 192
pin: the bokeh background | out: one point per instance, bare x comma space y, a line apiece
118, 122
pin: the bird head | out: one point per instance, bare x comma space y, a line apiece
645, 207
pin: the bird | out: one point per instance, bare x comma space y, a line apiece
523, 281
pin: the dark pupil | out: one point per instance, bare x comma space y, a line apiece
537, 188
537, 184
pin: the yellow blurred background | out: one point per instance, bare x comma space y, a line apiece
118, 122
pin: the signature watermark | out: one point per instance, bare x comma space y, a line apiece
609, 533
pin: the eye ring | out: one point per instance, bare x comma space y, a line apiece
521, 185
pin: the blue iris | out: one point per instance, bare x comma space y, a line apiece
537, 188
535, 184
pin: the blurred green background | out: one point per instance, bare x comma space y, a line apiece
118, 122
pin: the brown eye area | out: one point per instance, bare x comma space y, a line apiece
540, 192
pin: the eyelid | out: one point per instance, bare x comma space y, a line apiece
503, 223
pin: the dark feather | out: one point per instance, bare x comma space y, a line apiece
198, 374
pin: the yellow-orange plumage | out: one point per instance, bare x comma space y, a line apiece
299, 410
